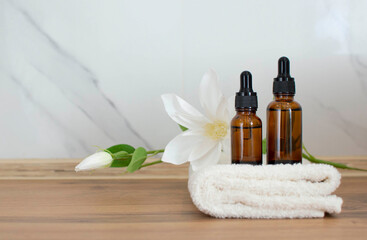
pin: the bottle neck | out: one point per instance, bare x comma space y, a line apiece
284, 97
246, 111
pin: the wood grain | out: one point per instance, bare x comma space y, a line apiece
152, 204
64, 169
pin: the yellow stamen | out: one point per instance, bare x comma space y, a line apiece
216, 130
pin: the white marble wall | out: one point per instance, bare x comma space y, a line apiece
78, 73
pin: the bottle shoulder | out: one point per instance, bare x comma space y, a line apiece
246, 121
283, 105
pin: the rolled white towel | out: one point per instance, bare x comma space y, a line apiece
268, 191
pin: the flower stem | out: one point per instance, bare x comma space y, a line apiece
150, 164
155, 152
311, 158
128, 156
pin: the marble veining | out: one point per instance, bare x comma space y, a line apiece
109, 111
74, 74
29, 96
89, 75
355, 132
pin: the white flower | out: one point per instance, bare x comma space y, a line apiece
94, 161
207, 134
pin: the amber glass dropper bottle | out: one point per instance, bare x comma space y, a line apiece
246, 127
284, 119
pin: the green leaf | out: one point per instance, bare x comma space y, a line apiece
139, 157
264, 146
120, 155
121, 163
121, 147
183, 128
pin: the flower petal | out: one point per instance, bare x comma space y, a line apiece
226, 143
210, 158
178, 149
94, 161
223, 112
195, 132
226, 150
231, 106
210, 94
182, 112
202, 148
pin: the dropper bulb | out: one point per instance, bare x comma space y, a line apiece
284, 82
283, 66
246, 80
246, 97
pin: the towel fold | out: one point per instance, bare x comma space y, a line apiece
268, 191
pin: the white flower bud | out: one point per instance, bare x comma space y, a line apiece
97, 160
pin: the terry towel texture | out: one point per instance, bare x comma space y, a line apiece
268, 191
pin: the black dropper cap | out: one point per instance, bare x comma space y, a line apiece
284, 83
246, 97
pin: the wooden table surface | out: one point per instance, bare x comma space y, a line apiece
46, 199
